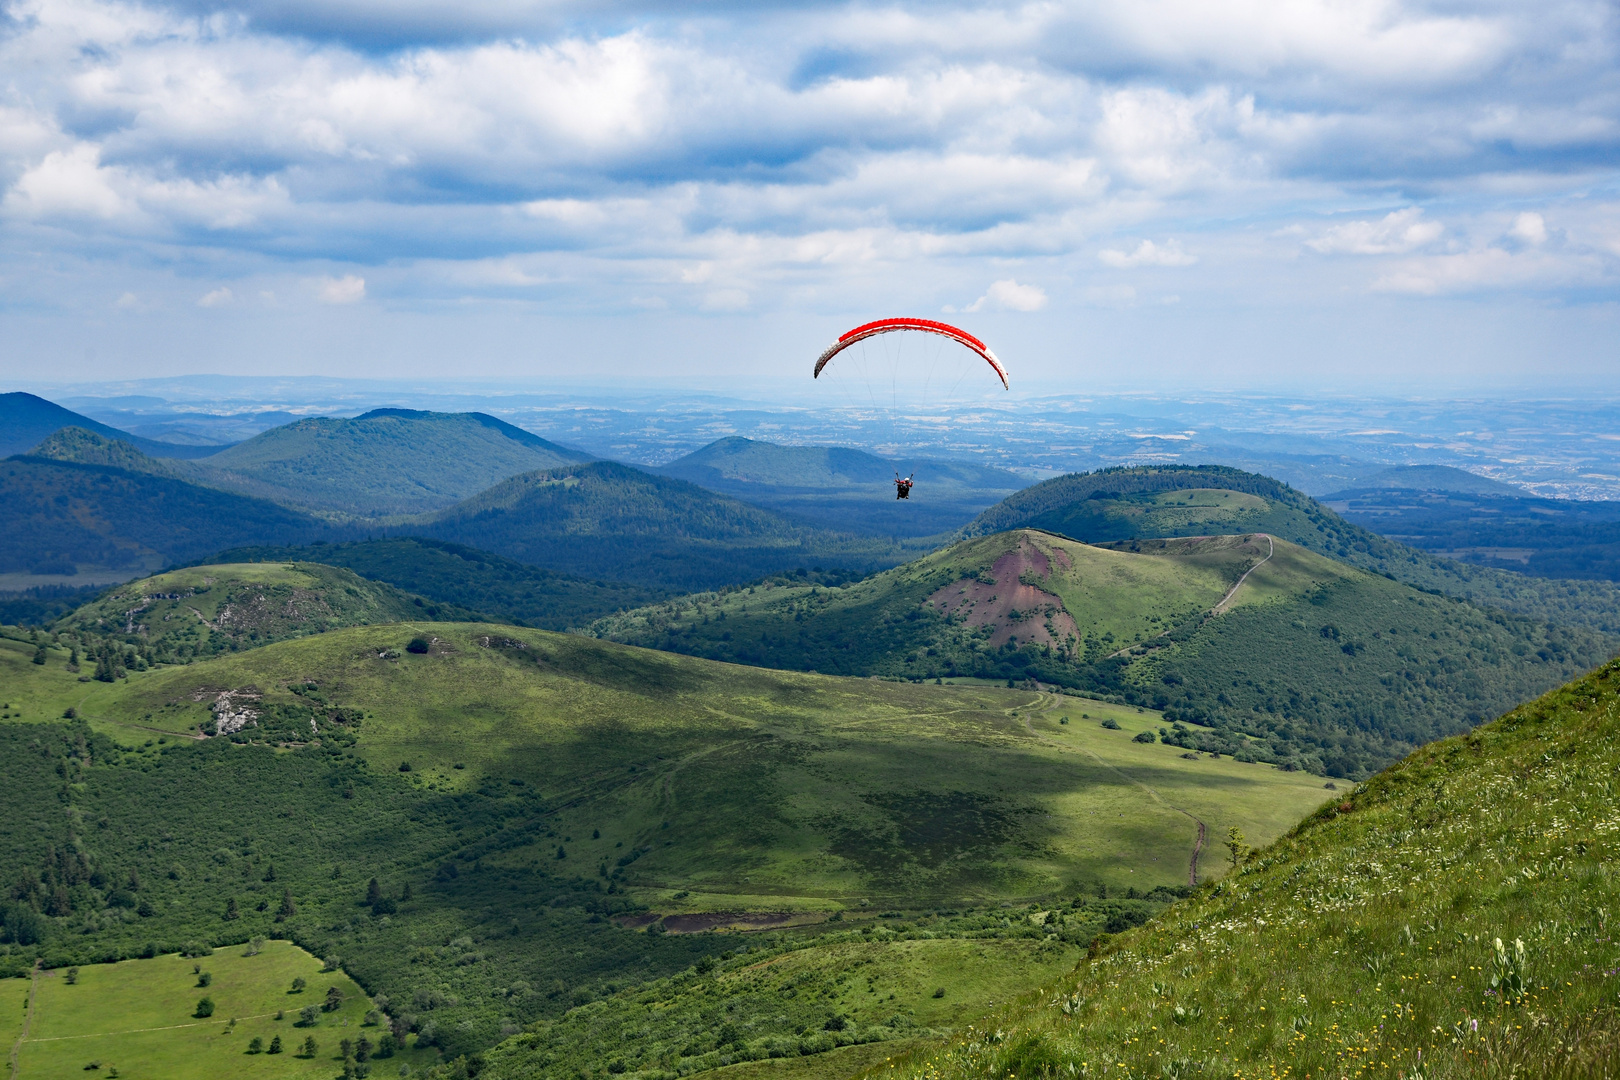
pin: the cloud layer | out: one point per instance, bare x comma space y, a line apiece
608, 160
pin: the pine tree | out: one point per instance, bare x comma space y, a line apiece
373, 893
39, 655
311, 1047
286, 910
231, 910
275, 1045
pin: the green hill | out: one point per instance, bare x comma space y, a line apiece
26, 420
1182, 500
1448, 918
385, 462
68, 522
609, 521
202, 611
550, 819
841, 488
466, 578
1309, 661
75, 444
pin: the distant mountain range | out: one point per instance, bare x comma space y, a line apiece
843, 488
26, 420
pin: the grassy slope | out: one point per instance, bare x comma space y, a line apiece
387, 462
136, 1017
204, 610
1312, 661
1366, 934
454, 574
613, 522
62, 516
713, 788
1141, 502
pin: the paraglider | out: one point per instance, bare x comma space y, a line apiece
918, 380
928, 326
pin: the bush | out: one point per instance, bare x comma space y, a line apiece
417, 645
1145, 737
1111, 724
205, 1008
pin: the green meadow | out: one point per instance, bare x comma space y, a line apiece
137, 1018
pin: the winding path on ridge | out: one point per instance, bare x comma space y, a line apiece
1042, 700
28, 1020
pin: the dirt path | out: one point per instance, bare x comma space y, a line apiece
137, 1031
1192, 867
1271, 549
28, 1020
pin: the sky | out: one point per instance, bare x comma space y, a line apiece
1289, 194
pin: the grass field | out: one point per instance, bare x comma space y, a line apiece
1453, 917
136, 1017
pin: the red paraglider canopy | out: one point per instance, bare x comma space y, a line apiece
889, 326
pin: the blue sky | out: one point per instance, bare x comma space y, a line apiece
1263, 193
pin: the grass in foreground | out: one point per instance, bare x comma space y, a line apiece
1365, 942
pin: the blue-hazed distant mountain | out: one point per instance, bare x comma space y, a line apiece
26, 420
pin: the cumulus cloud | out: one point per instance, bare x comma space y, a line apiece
216, 298
1396, 233
1009, 295
1148, 253
349, 289
1530, 228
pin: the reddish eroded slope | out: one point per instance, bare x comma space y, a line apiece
1010, 607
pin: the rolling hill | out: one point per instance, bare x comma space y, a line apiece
842, 488
510, 823
70, 523
1448, 918
1269, 649
461, 577
27, 420
201, 611
387, 462
609, 521
1183, 500
81, 447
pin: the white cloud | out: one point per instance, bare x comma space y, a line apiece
68, 183
1530, 227
128, 301
1396, 233
217, 298
1148, 253
1009, 295
349, 289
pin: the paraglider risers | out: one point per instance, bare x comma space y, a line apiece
902, 488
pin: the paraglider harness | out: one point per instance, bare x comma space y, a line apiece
902, 488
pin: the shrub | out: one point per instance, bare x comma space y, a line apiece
205, 1008
298, 985
275, 1044
1145, 737
255, 1045
417, 645
1111, 724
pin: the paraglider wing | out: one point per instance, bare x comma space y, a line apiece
889, 326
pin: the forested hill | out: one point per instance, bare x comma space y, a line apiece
26, 420
1309, 662
609, 521
385, 462
1186, 500
70, 519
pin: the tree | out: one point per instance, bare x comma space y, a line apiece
205, 1008
417, 645
59, 904
72, 976
231, 910
1145, 737
362, 1049
286, 910
308, 1015
311, 1047
334, 999
205, 978
39, 655
255, 1045
373, 893
1236, 849
270, 872
298, 985
275, 1045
